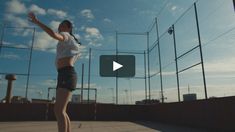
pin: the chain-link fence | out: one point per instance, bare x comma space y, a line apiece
169, 64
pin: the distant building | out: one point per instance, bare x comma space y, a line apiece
190, 97
17, 100
44, 101
147, 101
90, 101
76, 98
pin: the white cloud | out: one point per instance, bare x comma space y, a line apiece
173, 9
82, 28
17, 21
216, 67
10, 56
88, 14
92, 85
93, 36
221, 66
157, 72
171, 94
147, 13
107, 20
44, 42
83, 52
59, 13
14, 6
54, 25
212, 90
94, 32
15, 45
36, 9
49, 83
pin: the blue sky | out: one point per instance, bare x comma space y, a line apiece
95, 23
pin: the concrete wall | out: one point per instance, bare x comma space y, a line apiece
214, 114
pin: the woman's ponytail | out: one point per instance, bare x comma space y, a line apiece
75, 38
69, 24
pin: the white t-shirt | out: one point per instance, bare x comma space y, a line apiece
67, 48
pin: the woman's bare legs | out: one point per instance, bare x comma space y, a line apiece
69, 123
62, 99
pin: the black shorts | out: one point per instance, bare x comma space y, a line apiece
67, 78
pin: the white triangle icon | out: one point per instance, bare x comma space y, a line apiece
116, 66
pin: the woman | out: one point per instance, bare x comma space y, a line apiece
66, 55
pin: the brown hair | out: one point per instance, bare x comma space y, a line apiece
70, 25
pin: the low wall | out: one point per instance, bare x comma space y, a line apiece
218, 113
22, 112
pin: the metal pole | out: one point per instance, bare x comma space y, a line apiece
159, 58
29, 67
95, 95
200, 47
176, 63
145, 76
0, 80
48, 90
82, 83
113, 98
148, 65
3, 28
89, 75
116, 74
95, 109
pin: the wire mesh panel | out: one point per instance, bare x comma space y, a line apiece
154, 63
133, 89
168, 64
132, 42
15, 56
106, 86
186, 32
218, 43
79, 95
153, 34
15, 51
14, 60
188, 53
168, 67
191, 82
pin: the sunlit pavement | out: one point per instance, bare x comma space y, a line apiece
95, 126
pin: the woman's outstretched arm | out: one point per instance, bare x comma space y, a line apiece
48, 30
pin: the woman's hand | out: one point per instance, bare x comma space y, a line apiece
44, 27
32, 17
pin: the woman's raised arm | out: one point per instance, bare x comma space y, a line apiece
48, 30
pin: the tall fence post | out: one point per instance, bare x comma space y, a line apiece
145, 76
89, 75
200, 47
116, 74
172, 30
82, 83
148, 66
2, 35
160, 62
29, 65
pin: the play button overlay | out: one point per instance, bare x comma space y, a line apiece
117, 65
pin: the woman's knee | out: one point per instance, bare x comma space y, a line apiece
60, 114
59, 111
